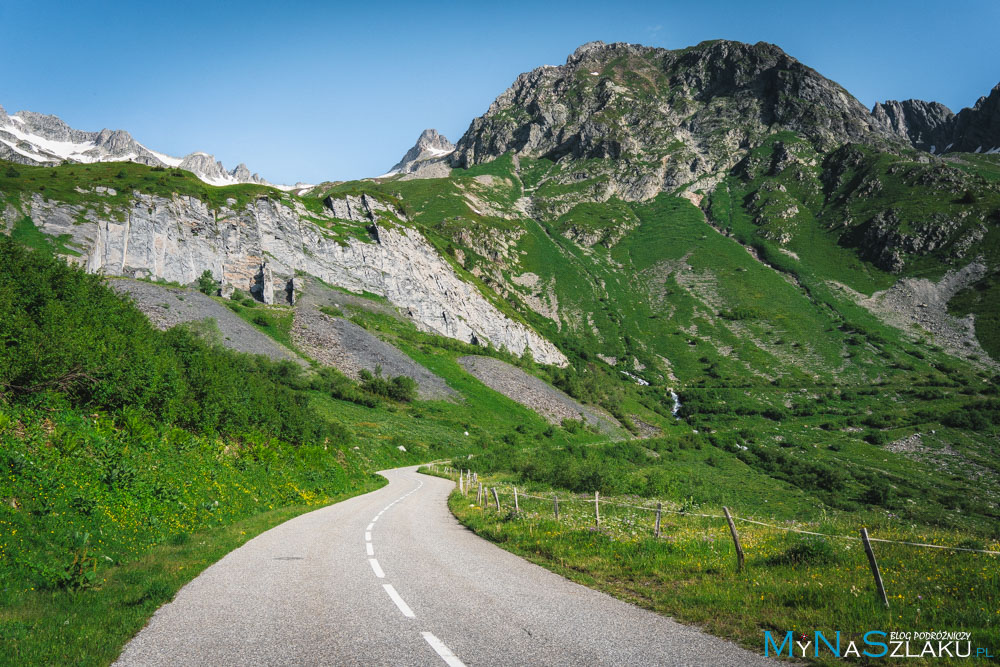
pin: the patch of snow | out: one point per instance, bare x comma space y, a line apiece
165, 159
297, 186
978, 150
994, 151
948, 147
15, 118
932, 149
596, 73
62, 149
218, 180
438, 152
31, 156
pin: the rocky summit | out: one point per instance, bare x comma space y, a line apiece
431, 148
931, 126
665, 119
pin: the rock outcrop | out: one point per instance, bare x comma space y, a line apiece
977, 129
260, 247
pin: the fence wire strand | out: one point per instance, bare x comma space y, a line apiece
570, 498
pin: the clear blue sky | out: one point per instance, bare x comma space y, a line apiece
317, 91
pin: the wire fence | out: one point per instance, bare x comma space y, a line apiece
567, 508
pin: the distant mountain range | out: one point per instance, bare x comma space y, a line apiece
32, 138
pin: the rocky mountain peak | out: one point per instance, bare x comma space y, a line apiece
431, 149
682, 114
978, 129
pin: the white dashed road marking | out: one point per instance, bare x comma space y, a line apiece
403, 607
450, 658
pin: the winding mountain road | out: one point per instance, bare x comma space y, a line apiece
392, 578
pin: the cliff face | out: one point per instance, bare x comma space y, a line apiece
260, 247
923, 124
933, 127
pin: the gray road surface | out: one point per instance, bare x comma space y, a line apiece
391, 578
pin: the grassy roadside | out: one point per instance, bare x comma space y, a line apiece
791, 582
90, 627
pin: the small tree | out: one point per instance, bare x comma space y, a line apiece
206, 283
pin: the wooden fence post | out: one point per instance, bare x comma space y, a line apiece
461, 485
496, 498
555, 505
659, 507
874, 566
517, 508
736, 540
597, 508
479, 494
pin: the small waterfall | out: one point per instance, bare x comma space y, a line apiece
677, 404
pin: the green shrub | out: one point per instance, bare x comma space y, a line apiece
207, 283
401, 388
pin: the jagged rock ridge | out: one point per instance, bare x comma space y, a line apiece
933, 127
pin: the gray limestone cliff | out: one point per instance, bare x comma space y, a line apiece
260, 247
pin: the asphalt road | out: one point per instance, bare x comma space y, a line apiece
391, 578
